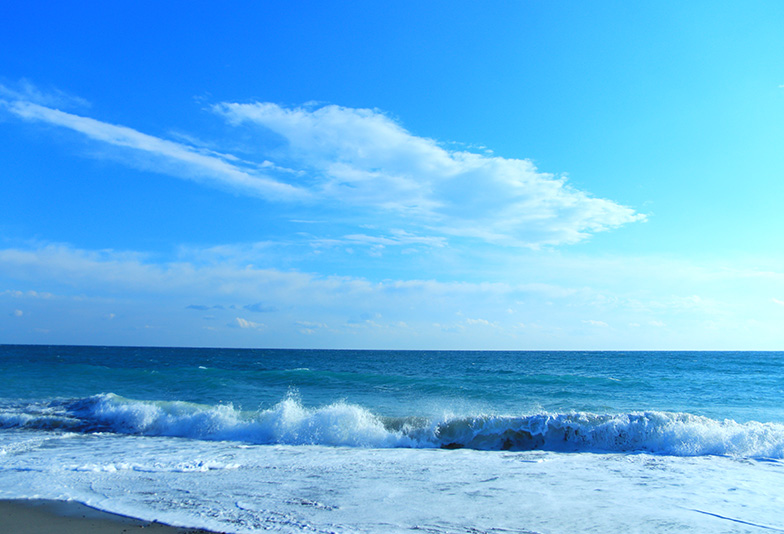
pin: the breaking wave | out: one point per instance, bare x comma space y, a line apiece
343, 424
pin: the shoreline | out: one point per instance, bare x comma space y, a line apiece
42, 516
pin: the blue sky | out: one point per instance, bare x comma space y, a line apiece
456, 175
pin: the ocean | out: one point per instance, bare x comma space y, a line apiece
332, 441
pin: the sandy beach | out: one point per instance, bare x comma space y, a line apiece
45, 517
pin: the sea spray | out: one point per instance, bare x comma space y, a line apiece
343, 424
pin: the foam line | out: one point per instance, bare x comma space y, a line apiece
343, 424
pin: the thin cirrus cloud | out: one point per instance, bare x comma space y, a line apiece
188, 162
361, 165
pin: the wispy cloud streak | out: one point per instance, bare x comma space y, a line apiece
192, 164
359, 166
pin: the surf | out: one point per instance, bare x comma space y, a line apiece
289, 422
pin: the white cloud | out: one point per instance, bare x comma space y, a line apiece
27, 294
310, 325
593, 322
173, 158
361, 157
360, 165
246, 324
87, 286
26, 91
398, 237
114, 279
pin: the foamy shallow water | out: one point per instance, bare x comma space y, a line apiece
240, 488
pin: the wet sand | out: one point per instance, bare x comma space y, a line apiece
56, 517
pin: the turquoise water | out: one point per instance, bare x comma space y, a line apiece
456, 399
394, 441
743, 386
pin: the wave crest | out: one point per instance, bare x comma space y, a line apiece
668, 433
343, 424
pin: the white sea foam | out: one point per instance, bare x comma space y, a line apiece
343, 424
292, 489
287, 422
657, 432
155, 467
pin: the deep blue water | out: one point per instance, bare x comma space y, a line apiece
671, 402
743, 386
